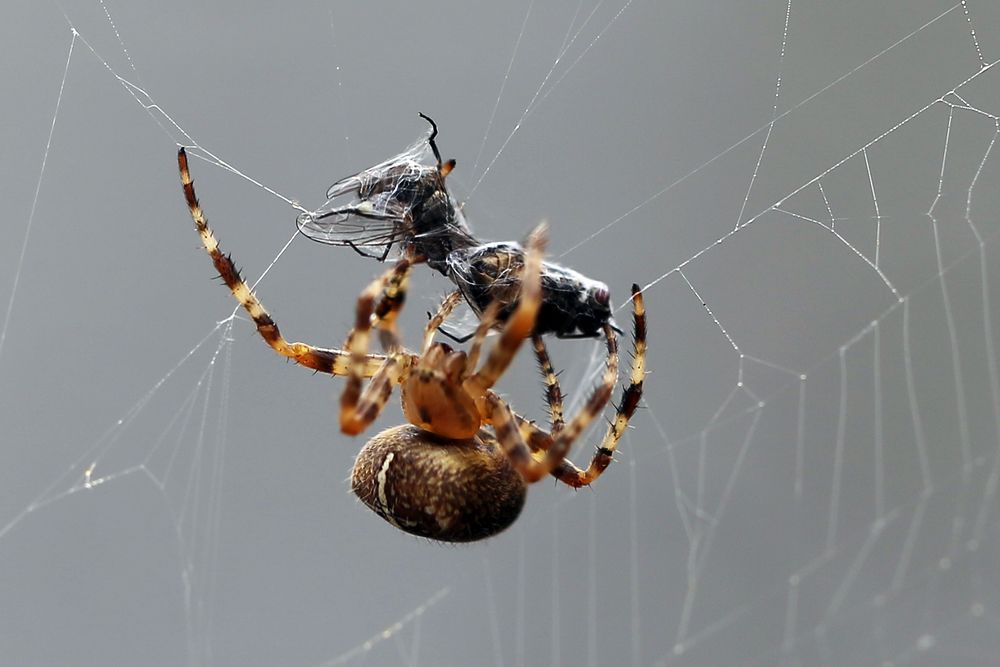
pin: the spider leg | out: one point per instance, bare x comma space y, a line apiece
553, 392
520, 439
537, 440
334, 362
566, 436
373, 399
357, 409
446, 308
565, 471
520, 323
506, 424
387, 309
486, 322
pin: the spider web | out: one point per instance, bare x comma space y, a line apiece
807, 190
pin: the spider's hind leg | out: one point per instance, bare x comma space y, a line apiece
566, 471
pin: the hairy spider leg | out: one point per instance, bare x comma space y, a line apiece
553, 392
323, 360
566, 471
538, 441
566, 436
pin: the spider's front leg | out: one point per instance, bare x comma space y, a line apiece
334, 362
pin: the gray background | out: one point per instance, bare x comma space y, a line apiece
847, 518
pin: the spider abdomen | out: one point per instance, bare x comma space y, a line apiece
448, 490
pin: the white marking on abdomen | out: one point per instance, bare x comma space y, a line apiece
380, 480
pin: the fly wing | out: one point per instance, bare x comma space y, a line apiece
374, 223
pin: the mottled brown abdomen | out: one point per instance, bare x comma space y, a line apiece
449, 490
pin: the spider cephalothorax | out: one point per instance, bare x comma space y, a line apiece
458, 470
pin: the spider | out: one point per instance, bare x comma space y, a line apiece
458, 470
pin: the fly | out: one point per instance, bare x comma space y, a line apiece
404, 202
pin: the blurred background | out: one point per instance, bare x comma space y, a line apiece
807, 192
